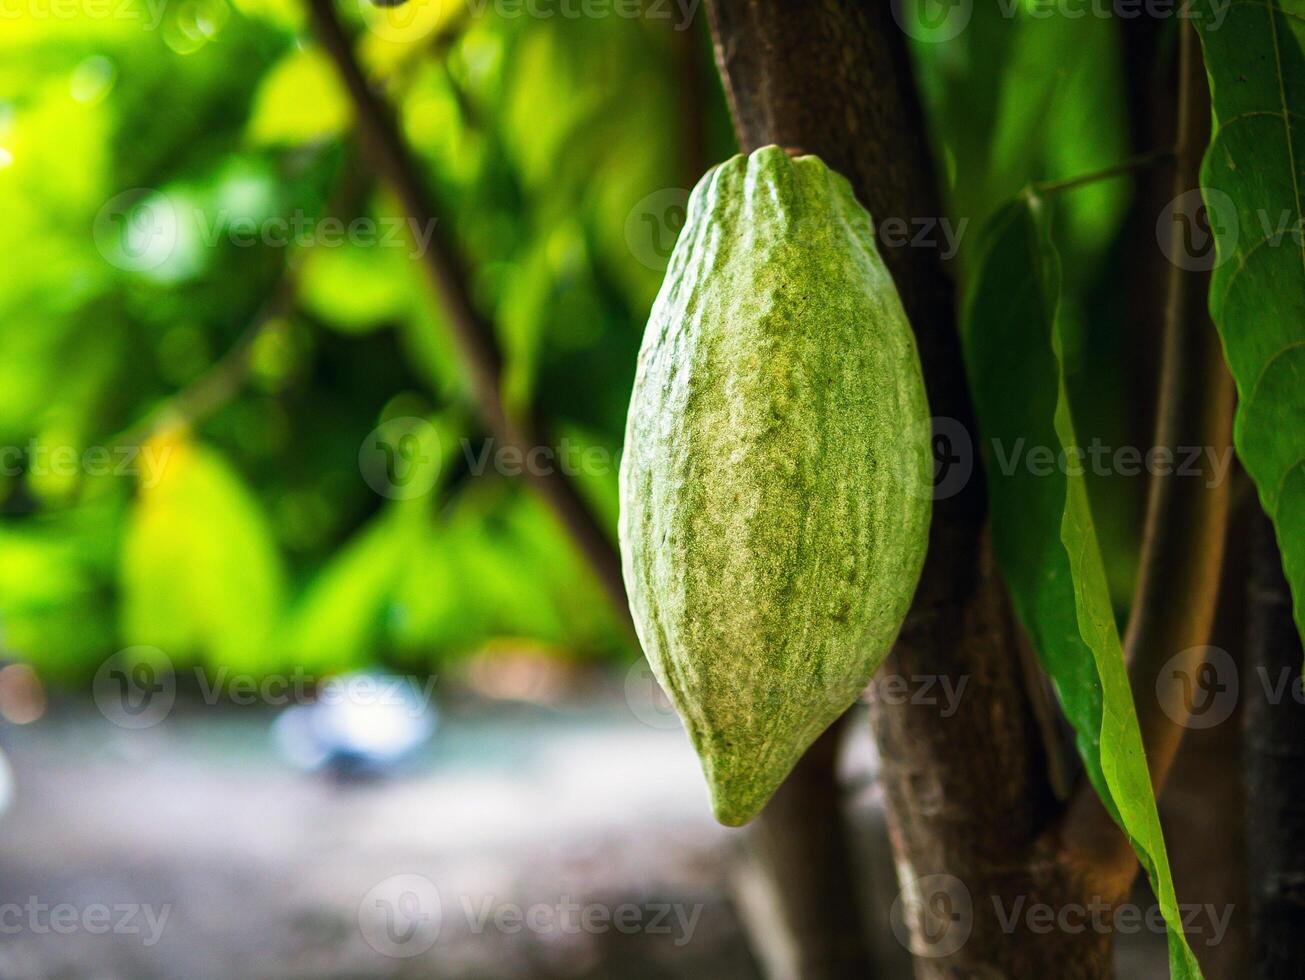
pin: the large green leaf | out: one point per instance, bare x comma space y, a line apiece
339, 619
56, 612
200, 573
1252, 180
1043, 530
299, 99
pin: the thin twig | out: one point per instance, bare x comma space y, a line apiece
473, 335
1182, 547
1125, 168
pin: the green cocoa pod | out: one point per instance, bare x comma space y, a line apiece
777, 474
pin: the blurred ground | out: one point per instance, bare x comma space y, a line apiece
265, 868
545, 843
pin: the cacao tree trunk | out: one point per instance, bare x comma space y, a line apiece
1274, 748
968, 796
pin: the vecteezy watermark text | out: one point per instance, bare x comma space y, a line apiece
137, 688
42, 918
938, 234
141, 229
404, 916
305, 230
1205, 922
1206, 462
937, 21
648, 702
1200, 687
402, 458
148, 12
571, 917
41, 458
934, 915
682, 11
928, 690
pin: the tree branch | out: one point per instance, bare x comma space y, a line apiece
473, 335
1183, 541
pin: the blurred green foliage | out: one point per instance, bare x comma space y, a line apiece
146, 149
1018, 98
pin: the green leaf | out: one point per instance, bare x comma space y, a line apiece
52, 589
340, 617
1252, 179
299, 100
357, 288
1043, 531
200, 574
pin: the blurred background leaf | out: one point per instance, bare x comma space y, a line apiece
1006, 102
167, 170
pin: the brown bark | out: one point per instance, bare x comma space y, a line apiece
968, 795
1274, 750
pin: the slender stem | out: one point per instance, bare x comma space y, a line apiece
473, 334
1183, 540
1121, 169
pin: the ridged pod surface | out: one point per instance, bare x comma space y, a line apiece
776, 480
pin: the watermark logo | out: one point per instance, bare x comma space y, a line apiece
401, 916
933, 915
1201, 687
394, 20
953, 456
135, 688
933, 21
1208, 463
136, 231
646, 699
1191, 226
1198, 688
142, 229
953, 451
653, 226
400, 458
